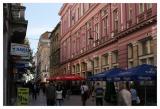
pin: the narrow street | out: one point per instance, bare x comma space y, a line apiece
74, 100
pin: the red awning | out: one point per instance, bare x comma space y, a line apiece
66, 77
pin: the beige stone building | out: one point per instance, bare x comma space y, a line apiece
43, 57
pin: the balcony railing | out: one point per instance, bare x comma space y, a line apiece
141, 17
129, 23
149, 13
145, 15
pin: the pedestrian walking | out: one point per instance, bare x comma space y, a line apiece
124, 96
38, 89
133, 95
34, 92
64, 91
93, 92
84, 93
59, 96
44, 88
50, 94
99, 94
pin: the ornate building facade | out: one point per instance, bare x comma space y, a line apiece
55, 50
43, 54
97, 37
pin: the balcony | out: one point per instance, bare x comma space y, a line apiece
145, 15
141, 17
129, 23
19, 24
149, 13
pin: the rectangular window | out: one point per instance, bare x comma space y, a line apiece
151, 60
96, 62
105, 59
149, 6
115, 20
130, 51
115, 57
129, 12
78, 68
141, 8
104, 26
130, 64
96, 31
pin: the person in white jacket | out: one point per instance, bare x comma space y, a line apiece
59, 96
124, 96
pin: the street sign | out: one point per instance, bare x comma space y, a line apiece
22, 96
19, 49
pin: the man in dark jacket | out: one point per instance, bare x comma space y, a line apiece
50, 94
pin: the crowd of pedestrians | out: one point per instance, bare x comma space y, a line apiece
56, 93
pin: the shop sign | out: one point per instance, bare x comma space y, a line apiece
22, 96
19, 49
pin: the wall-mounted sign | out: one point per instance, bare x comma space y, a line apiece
22, 96
19, 49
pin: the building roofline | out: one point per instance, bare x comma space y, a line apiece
62, 8
55, 28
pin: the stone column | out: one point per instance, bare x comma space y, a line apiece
135, 54
100, 63
110, 59
155, 49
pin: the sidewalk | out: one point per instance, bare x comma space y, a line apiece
40, 101
74, 100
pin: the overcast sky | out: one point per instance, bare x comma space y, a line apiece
41, 17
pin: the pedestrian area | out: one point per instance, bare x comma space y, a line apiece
73, 100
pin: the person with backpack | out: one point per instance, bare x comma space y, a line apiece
84, 93
99, 94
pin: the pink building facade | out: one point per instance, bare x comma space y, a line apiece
97, 37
